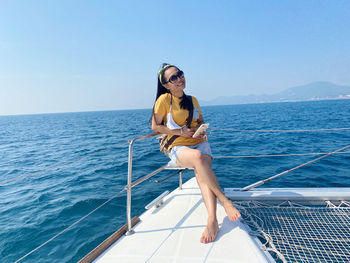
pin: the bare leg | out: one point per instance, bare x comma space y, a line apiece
210, 189
212, 228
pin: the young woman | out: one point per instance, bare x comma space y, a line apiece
170, 113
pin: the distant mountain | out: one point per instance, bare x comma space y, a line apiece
313, 91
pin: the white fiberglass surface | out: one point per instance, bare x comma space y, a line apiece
171, 233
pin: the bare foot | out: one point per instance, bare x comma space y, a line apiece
232, 213
210, 232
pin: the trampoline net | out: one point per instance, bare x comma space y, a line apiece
299, 233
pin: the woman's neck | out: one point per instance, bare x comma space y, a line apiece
177, 94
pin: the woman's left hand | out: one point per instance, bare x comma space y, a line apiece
186, 132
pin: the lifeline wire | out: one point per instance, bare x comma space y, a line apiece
271, 155
58, 165
247, 188
238, 130
69, 227
215, 157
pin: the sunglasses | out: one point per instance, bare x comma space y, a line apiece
175, 77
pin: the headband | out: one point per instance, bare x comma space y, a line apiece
161, 71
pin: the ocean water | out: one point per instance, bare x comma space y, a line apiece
56, 168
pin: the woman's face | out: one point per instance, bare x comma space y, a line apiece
175, 80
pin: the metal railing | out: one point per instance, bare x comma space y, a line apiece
131, 184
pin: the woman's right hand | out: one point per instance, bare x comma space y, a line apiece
186, 132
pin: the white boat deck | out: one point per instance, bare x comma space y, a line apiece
171, 233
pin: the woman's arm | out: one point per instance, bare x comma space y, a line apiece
158, 127
200, 121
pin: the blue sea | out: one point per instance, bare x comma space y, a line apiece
56, 168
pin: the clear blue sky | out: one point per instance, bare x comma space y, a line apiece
67, 55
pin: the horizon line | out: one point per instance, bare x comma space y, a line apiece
204, 106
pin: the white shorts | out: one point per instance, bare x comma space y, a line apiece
203, 147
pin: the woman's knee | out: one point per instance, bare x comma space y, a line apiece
192, 158
188, 158
200, 159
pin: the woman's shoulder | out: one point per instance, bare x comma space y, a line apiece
194, 100
163, 100
193, 97
164, 97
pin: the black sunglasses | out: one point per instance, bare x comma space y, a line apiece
175, 77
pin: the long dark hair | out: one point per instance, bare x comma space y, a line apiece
186, 101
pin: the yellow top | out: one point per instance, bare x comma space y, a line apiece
162, 107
